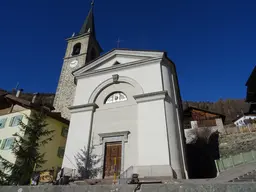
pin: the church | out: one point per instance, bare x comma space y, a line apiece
125, 104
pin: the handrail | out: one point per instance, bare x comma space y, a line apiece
223, 164
124, 175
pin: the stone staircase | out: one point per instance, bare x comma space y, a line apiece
248, 177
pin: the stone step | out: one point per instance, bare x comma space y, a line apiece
244, 181
95, 182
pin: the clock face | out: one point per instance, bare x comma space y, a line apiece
73, 63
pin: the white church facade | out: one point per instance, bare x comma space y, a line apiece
128, 99
127, 105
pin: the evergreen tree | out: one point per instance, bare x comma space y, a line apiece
81, 160
26, 148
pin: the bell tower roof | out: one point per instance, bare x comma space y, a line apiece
88, 26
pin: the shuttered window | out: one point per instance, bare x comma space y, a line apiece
15, 120
3, 144
64, 132
61, 152
7, 143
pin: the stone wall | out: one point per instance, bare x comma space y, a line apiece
236, 143
199, 187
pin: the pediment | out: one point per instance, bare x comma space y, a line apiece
117, 58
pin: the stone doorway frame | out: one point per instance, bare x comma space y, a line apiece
111, 137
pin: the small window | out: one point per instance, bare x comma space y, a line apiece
7, 143
116, 63
2, 122
61, 151
76, 49
116, 97
64, 132
16, 120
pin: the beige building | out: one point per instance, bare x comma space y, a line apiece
13, 110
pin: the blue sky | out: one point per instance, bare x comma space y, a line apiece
212, 42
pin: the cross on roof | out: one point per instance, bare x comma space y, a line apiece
92, 3
118, 42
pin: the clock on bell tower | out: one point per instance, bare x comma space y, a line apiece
81, 48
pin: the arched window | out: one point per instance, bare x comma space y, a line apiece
76, 49
116, 97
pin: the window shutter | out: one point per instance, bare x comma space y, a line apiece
11, 122
2, 122
18, 119
3, 144
10, 143
6, 146
61, 151
64, 132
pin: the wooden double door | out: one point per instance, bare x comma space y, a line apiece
112, 159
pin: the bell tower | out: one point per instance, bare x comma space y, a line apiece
81, 48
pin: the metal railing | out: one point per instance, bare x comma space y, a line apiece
223, 164
127, 173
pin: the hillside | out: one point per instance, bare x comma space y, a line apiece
236, 143
231, 108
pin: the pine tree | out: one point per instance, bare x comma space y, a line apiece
26, 148
81, 160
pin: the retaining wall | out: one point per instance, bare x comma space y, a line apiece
229, 187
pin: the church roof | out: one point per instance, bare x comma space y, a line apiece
118, 50
88, 25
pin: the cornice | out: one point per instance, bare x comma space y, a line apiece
83, 108
146, 97
118, 67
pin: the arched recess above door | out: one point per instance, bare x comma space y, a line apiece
114, 80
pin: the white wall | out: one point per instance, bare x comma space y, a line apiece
148, 76
77, 137
172, 118
219, 125
152, 134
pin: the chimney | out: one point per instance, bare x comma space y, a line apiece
19, 92
34, 97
